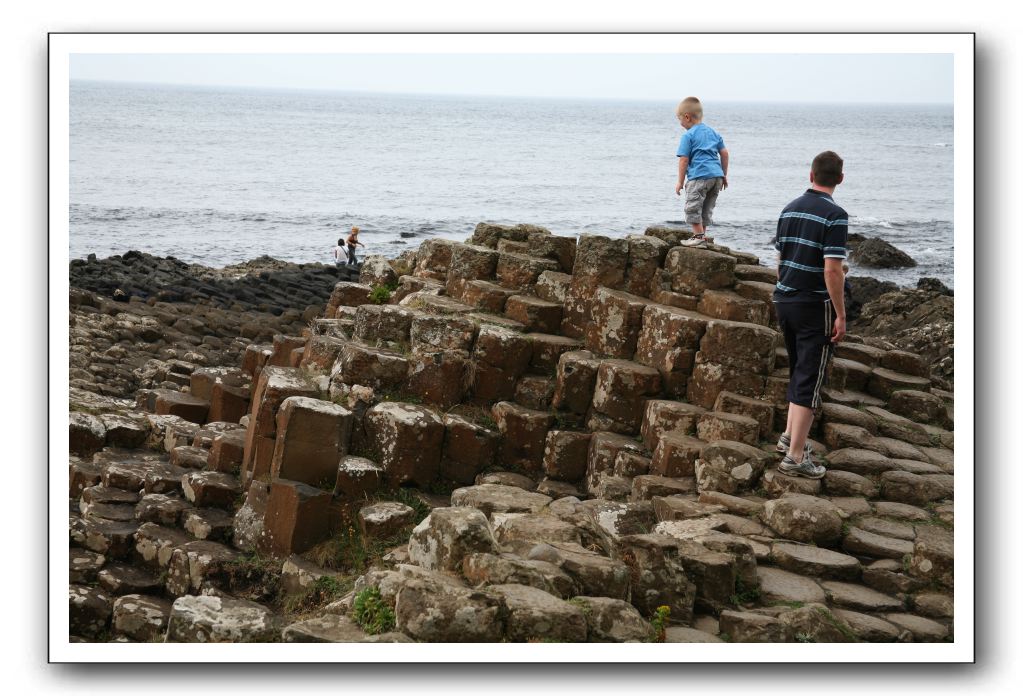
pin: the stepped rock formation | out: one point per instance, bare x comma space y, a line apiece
536, 438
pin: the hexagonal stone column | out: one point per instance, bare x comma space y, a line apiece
576, 379
657, 575
621, 391
536, 615
730, 467
694, 270
469, 262
140, 617
297, 518
715, 425
448, 535
804, 518
523, 434
206, 619
408, 440
312, 438
468, 449
615, 321
274, 386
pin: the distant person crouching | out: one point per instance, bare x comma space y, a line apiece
353, 241
340, 253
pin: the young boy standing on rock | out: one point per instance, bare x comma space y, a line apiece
809, 299
702, 168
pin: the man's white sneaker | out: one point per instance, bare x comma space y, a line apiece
697, 241
785, 441
805, 468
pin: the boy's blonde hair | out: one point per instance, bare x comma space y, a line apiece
691, 106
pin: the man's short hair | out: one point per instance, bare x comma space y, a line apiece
827, 169
691, 106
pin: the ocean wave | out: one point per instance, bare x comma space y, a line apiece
219, 237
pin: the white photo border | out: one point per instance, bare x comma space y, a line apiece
960, 45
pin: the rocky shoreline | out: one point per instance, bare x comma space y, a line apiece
532, 437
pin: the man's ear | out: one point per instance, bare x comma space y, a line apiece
811, 176
841, 178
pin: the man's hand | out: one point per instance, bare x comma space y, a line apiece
679, 185
724, 183
839, 331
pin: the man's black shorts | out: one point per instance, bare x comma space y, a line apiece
807, 327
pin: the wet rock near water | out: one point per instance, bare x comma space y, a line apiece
875, 252
265, 283
919, 320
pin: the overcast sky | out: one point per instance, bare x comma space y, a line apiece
891, 78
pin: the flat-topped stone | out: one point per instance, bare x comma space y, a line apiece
121, 579
923, 630
815, 561
863, 543
535, 614
883, 383
329, 628
491, 498
448, 535
860, 352
84, 565
901, 511
859, 598
596, 575
859, 461
439, 304
803, 518
547, 349
748, 505
141, 617
778, 585
879, 525
892, 425
869, 628
536, 314
207, 619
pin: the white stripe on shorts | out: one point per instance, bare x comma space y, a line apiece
822, 370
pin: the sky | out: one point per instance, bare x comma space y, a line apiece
868, 78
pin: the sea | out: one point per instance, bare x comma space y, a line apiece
222, 175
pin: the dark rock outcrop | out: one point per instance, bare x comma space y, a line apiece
877, 253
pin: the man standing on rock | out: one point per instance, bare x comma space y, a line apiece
810, 303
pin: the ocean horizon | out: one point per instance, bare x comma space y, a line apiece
219, 175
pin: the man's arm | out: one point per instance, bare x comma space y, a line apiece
683, 165
834, 278
724, 167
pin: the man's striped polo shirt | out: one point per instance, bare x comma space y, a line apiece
811, 228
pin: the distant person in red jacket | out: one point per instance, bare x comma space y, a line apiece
353, 241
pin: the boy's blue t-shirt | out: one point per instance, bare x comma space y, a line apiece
701, 144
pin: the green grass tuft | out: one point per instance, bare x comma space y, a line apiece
371, 612
380, 294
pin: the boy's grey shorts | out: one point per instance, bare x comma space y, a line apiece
701, 196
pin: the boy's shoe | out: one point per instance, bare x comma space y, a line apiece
697, 241
805, 468
784, 442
